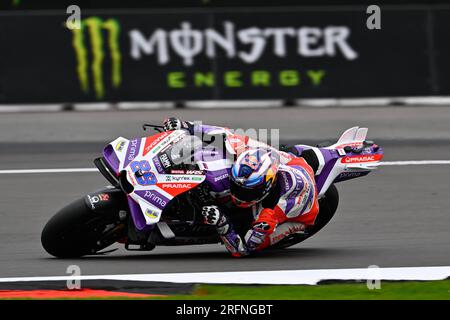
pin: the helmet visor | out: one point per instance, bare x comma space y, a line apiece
246, 194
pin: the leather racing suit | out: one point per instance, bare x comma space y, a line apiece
291, 206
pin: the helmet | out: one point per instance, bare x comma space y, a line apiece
253, 175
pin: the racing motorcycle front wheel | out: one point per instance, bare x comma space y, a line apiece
76, 230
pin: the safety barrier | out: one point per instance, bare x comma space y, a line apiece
223, 54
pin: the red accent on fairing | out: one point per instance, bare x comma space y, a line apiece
151, 142
362, 158
83, 293
176, 188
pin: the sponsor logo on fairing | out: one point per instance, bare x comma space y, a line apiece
154, 198
151, 142
350, 175
195, 172
363, 158
181, 178
188, 172
151, 214
158, 165
221, 177
133, 150
164, 158
120, 145
178, 138
177, 185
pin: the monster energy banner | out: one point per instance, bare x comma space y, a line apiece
242, 55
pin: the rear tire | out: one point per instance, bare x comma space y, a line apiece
327, 208
73, 231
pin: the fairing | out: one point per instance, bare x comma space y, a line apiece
351, 157
149, 169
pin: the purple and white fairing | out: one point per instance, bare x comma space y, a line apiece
351, 157
149, 197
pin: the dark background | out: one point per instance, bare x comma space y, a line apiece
407, 57
102, 4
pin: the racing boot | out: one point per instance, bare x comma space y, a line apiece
257, 238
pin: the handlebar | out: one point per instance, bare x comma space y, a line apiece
158, 128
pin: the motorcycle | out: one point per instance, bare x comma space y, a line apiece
157, 190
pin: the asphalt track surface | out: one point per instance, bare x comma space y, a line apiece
398, 216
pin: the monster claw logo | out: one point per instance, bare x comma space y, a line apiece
95, 27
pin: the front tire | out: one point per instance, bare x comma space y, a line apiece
74, 231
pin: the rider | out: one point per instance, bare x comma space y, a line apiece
279, 188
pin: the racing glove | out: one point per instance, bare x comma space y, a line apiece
211, 214
232, 240
173, 123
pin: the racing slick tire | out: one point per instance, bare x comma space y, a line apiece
74, 231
